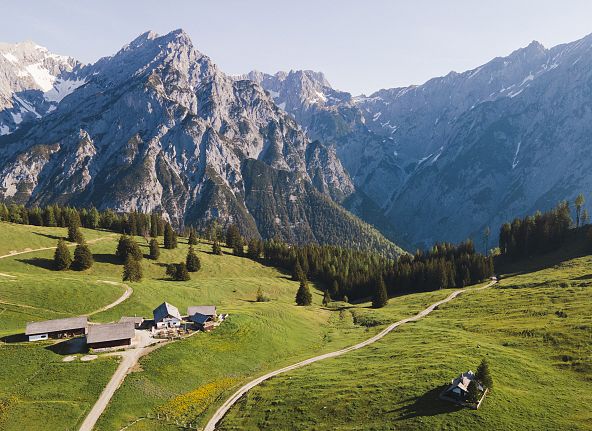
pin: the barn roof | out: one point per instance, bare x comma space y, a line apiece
165, 309
135, 320
463, 381
110, 332
200, 318
208, 310
57, 325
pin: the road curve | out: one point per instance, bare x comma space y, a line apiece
128, 292
217, 417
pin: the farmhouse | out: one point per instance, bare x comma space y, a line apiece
58, 328
202, 321
206, 310
110, 335
137, 321
167, 316
459, 387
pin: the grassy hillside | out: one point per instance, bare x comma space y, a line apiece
256, 338
535, 329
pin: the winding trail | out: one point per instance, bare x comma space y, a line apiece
70, 244
128, 292
217, 417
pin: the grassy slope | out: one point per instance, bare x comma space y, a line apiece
257, 337
541, 363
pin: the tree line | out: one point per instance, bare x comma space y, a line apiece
540, 233
353, 274
133, 223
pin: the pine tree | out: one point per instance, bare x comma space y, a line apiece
579, 204
473, 392
170, 237
62, 258
178, 271
154, 249
192, 261
153, 225
127, 247
93, 218
192, 240
260, 296
483, 374
132, 269
297, 273
74, 234
83, 258
303, 296
326, 298
216, 249
380, 298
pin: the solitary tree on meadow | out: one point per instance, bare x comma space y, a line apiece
154, 249
484, 375
132, 270
380, 298
192, 261
216, 248
303, 296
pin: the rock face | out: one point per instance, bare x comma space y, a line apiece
32, 82
443, 160
158, 127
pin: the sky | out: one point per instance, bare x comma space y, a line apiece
361, 46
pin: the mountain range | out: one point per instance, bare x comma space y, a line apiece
158, 127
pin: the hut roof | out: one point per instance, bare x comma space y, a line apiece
57, 325
110, 332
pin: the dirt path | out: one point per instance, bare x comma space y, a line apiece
211, 425
71, 244
129, 360
128, 292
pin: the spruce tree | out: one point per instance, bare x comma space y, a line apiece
260, 296
178, 271
216, 248
239, 248
132, 269
473, 392
93, 218
74, 234
380, 297
326, 298
153, 225
127, 247
62, 258
170, 237
154, 249
83, 258
192, 240
484, 375
297, 273
192, 261
303, 296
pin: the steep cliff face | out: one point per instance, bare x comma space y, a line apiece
443, 160
158, 127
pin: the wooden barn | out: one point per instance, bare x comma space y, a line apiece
206, 310
136, 321
58, 328
167, 316
110, 335
202, 321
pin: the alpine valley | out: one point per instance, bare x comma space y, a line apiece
159, 127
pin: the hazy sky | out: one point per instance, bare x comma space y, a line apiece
361, 46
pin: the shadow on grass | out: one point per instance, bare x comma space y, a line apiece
56, 237
106, 258
15, 338
427, 404
69, 347
39, 262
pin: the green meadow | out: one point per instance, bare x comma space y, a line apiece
535, 329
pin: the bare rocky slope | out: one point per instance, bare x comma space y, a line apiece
158, 127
